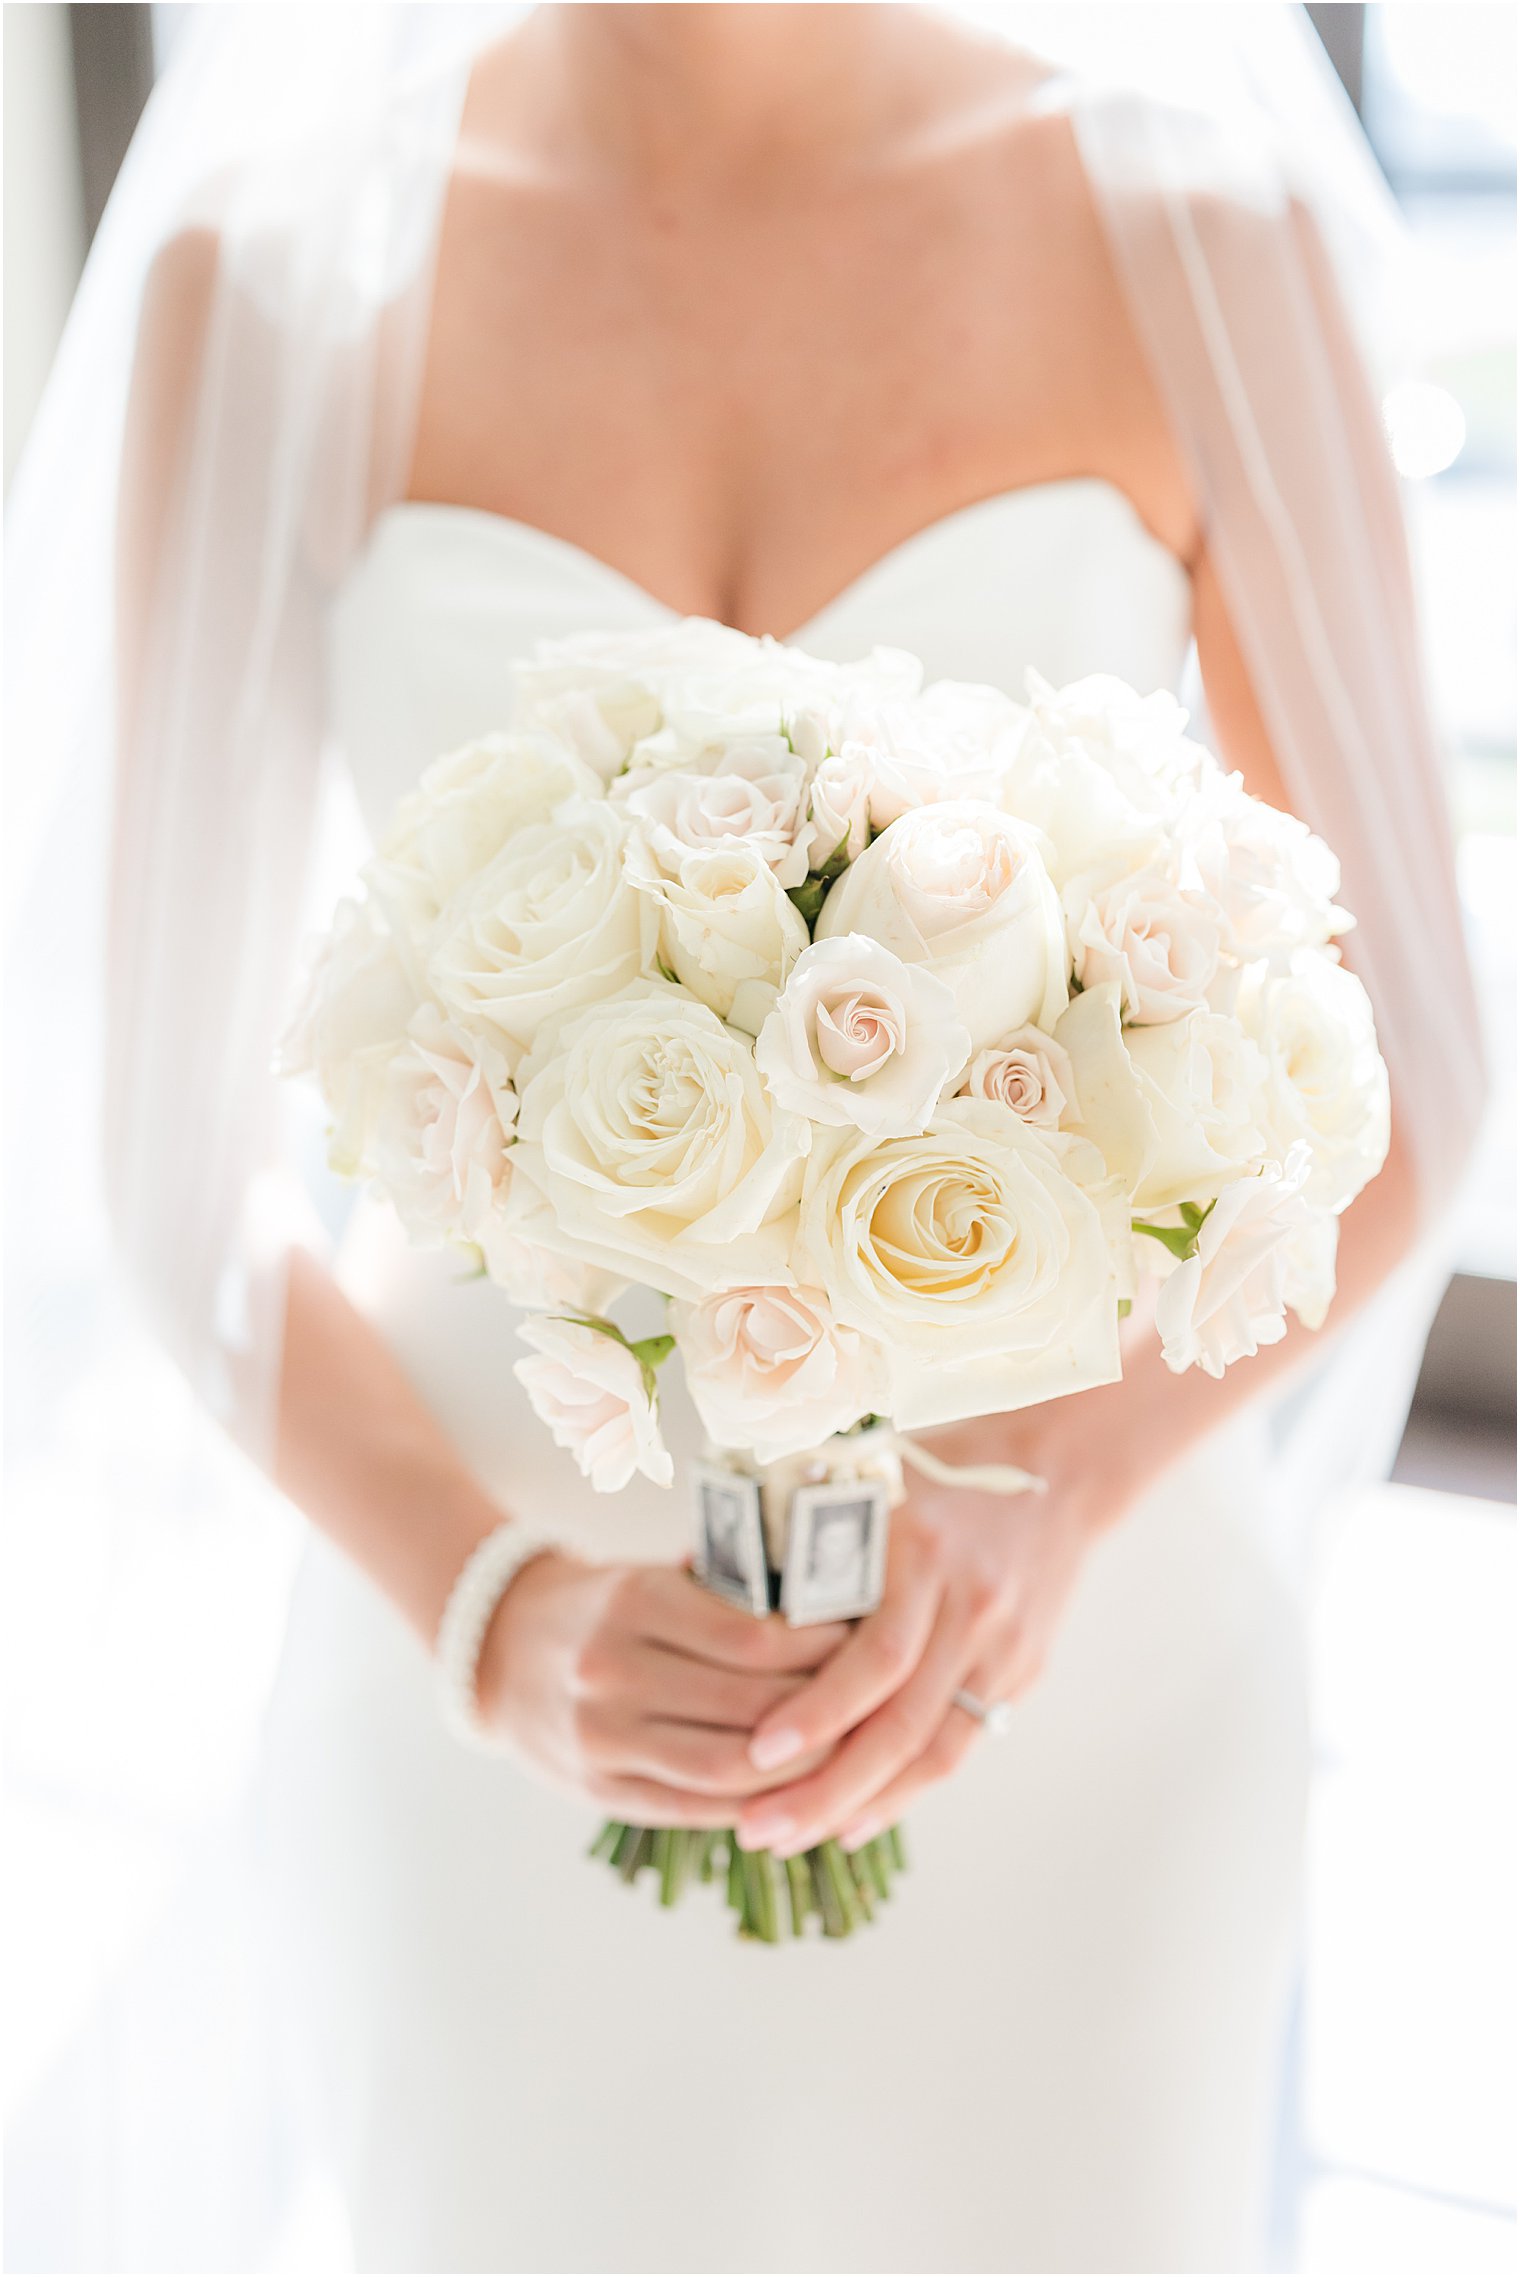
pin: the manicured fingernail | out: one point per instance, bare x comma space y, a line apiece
768, 1748
856, 1837
767, 1831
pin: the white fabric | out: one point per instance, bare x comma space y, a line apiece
301, 192
1058, 2050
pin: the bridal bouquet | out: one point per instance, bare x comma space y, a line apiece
902, 1038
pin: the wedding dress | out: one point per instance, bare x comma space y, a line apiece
1058, 2047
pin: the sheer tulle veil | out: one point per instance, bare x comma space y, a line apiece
174, 540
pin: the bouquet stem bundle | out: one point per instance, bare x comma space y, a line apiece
772, 1897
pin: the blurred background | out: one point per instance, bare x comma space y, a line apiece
1398, 2120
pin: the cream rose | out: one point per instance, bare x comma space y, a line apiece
602, 692
859, 1037
646, 1133
443, 1132
985, 1257
550, 924
358, 998
952, 743
1099, 770
1150, 931
839, 807
1327, 1084
520, 1257
757, 800
768, 685
961, 889
771, 1371
466, 807
590, 1390
1029, 1074
1176, 1112
720, 921
1274, 881
1261, 1250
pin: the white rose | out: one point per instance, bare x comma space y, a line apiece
1098, 768
1176, 1112
590, 1390
521, 1256
771, 1371
720, 921
1261, 1249
550, 924
1274, 881
731, 689
443, 1132
949, 744
859, 1037
1029, 1073
466, 807
961, 888
756, 800
762, 686
839, 807
600, 692
649, 1138
986, 1258
1150, 930
357, 1001
1327, 1085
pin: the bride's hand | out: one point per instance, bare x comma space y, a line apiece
975, 1587
639, 1689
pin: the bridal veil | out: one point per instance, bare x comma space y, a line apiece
231, 406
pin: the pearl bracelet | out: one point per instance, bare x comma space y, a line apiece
487, 1573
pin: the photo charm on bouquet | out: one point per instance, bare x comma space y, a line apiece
836, 1552
920, 1050
730, 1558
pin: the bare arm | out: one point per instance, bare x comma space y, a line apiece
365, 1459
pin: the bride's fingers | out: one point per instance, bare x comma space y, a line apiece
1002, 1675
950, 1746
645, 1802
873, 1663
666, 1606
694, 1757
892, 1736
659, 1681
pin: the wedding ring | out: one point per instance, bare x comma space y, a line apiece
994, 1716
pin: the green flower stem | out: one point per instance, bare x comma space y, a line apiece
875, 1860
865, 1894
799, 1886
825, 1904
622, 1848
837, 1867
769, 1897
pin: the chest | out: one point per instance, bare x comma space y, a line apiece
741, 407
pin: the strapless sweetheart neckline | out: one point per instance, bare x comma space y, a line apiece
858, 587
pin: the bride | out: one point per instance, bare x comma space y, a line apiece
850, 325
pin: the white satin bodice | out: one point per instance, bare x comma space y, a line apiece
1063, 576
